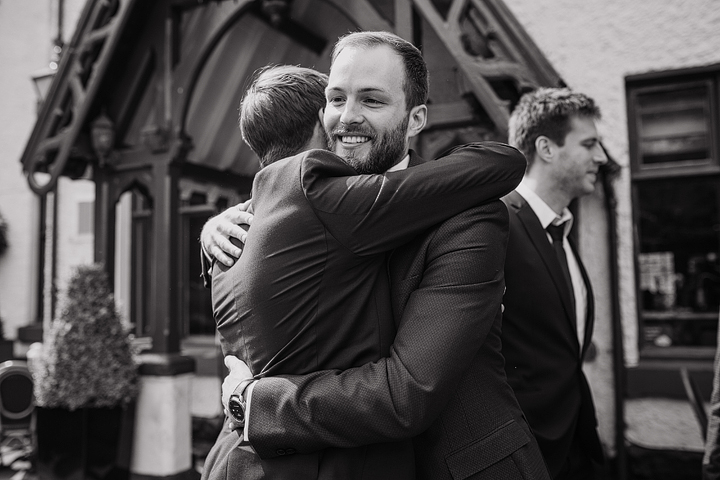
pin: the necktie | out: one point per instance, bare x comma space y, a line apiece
557, 233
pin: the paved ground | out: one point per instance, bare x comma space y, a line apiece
663, 441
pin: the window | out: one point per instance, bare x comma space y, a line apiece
86, 218
674, 135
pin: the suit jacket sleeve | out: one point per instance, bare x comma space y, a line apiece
371, 214
443, 326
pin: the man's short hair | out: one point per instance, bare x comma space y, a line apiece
547, 112
279, 111
416, 83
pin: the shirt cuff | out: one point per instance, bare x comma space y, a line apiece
248, 398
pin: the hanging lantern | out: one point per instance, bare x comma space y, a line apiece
276, 10
102, 136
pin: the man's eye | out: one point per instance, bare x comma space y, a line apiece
372, 101
336, 100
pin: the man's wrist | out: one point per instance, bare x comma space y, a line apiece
248, 399
242, 387
236, 403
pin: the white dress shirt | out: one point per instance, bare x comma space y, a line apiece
547, 216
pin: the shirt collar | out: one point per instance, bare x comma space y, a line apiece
401, 165
545, 214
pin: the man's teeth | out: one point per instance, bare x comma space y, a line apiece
354, 139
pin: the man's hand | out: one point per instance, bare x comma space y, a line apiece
216, 233
239, 371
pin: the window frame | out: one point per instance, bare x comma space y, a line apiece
668, 81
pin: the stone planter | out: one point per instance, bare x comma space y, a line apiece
82, 444
6, 350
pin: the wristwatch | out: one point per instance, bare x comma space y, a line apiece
237, 403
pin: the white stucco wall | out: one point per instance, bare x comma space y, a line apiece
594, 46
74, 248
27, 30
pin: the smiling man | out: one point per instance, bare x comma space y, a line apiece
367, 122
548, 320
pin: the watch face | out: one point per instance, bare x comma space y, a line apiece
237, 409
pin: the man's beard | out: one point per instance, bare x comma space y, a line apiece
385, 152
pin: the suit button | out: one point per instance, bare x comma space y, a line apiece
280, 451
289, 451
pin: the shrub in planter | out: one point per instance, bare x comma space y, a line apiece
84, 377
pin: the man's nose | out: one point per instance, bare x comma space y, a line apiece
599, 155
351, 113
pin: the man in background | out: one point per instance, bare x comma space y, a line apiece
548, 319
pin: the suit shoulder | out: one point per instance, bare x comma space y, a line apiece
487, 212
488, 219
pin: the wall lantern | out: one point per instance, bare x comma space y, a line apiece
276, 10
42, 81
102, 136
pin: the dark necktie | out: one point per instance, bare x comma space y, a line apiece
557, 233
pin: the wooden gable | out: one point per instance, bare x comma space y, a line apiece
159, 84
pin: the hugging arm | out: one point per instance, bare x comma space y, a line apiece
444, 322
220, 236
364, 211
371, 214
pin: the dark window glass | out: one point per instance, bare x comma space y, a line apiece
678, 266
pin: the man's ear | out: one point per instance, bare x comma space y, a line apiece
417, 120
544, 148
318, 139
321, 115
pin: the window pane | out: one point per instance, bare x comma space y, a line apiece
674, 126
678, 265
85, 217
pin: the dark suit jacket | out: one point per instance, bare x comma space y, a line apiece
444, 379
542, 353
310, 291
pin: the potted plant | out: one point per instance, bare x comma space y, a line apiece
85, 377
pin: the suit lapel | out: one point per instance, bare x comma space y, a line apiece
415, 160
538, 237
590, 303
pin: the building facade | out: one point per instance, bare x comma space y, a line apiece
167, 80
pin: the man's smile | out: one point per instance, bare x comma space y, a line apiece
353, 139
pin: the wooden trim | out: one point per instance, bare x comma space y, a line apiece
404, 19
449, 114
362, 13
496, 108
642, 171
68, 93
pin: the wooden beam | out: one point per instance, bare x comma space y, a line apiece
448, 114
404, 19
363, 14
67, 80
449, 34
515, 37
